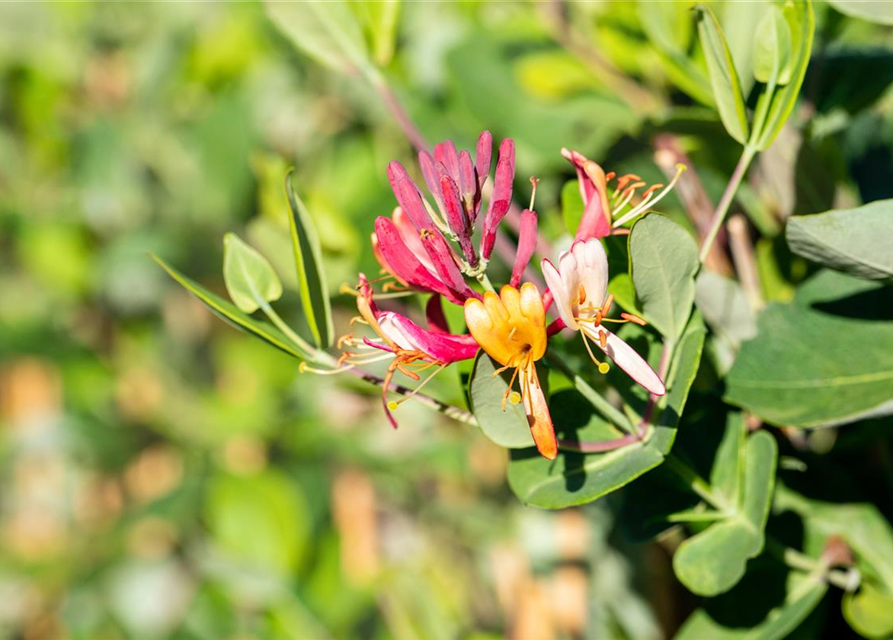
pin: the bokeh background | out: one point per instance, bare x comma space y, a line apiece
164, 476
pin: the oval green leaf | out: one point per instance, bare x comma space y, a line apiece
664, 261
856, 241
507, 428
249, 277
723, 76
772, 48
786, 375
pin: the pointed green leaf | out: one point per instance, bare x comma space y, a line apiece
856, 241
232, 315
326, 31
723, 76
249, 277
664, 261
380, 22
310, 269
507, 428
801, 23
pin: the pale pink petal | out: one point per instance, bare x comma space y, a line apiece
526, 245
560, 293
592, 266
625, 357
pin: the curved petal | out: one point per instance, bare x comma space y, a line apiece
538, 417
625, 357
501, 198
592, 267
445, 347
408, 196
560, 294
526, 245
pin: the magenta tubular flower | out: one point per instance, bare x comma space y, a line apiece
579, 286
603, 213
501, 199
414, 246
410, 348
526, 245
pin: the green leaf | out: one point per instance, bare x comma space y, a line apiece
233, 316
727, 474
309, 265
507, 428
751, 611
869, 612
249, 277
772, 48
326, 31
575, 478
826, 358
856, 241
862, 527
801, 23
713, 561
723, 76
260, 521
725, 307
380, 22
870, 10
664, 261
571, 205
667, 24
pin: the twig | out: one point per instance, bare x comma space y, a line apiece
668, 155
725, 202
390, 100
598, 447
745, 264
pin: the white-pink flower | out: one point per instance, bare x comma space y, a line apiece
579, 286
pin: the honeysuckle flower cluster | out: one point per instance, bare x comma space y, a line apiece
441, 244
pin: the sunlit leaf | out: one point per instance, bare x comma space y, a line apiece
664, 261
723, 76
772, 48
787, 375
507, 428
310, 269
801, 22
250, 279
871, 10
327, 31
232, 315
856, 241
869, 612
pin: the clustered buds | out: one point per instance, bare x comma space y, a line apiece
416, 246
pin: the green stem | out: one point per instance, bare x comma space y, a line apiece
846, 580
695, 482
312, 353
604, 407
725, 202
485, 282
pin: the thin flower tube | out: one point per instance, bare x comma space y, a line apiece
579, 286
511, 329
410, 349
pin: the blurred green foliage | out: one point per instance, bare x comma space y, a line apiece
165, 477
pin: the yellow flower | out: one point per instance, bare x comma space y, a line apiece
511, 329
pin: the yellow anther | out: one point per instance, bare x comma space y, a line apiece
604, 367
514, 397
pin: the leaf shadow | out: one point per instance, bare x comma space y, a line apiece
874, 304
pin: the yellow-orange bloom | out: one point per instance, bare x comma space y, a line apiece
511, 329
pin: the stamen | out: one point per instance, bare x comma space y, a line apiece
603, 367
515, 397
534, 181
305, 368
624, 180
359, 319
440, 367
582, 295
633, 318
610, 176
512, 333
632, 213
